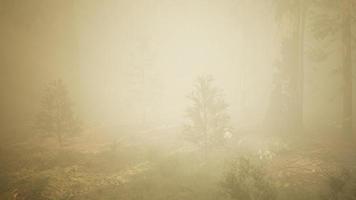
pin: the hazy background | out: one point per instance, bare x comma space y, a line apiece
143, 121
96, 47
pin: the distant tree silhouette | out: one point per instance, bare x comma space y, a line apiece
144, 85
56, 117
292, 16
208, 118
331, 20
283, 107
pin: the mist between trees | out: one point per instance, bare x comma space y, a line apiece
188, 100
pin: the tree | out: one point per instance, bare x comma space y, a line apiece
291, 14
143, 83
335, 18
57, 117
208, 118
283, 107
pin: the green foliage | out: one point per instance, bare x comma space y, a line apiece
341, 186
67, 174
208, 118
175, 177
324, 25
245, 180
329, 18
57, 117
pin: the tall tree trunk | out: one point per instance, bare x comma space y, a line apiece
300, 32
347, 71
292, 65
205, 129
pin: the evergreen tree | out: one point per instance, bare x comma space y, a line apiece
57, 118
208, 118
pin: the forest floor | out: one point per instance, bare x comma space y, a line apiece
159, 164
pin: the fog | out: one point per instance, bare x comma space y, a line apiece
132, 87
176, 42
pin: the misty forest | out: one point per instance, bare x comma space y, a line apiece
177, 100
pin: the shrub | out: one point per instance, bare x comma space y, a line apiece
247, 181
